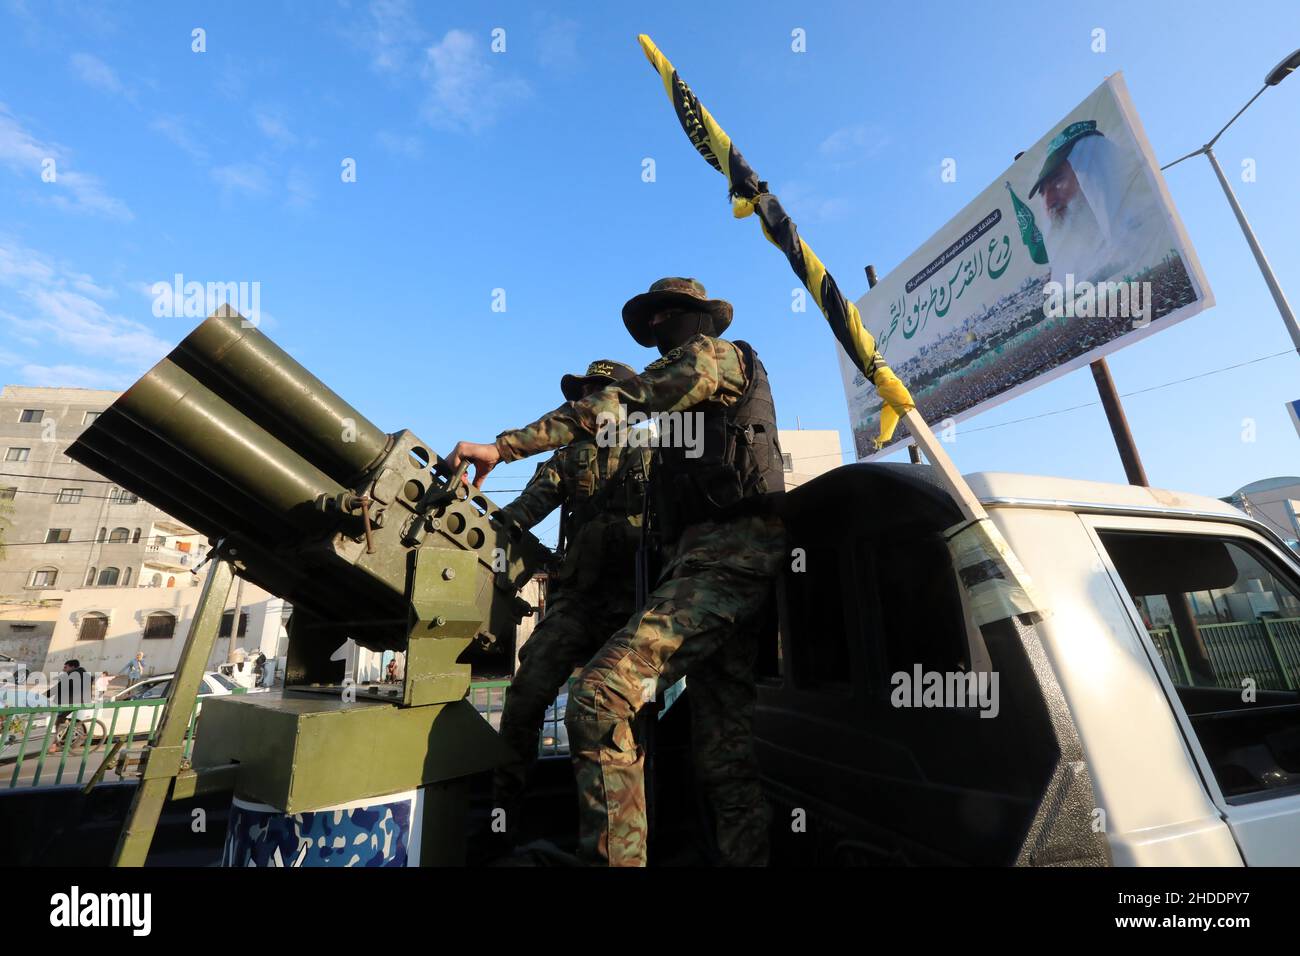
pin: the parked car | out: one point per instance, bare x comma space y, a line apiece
213, 684
555, 736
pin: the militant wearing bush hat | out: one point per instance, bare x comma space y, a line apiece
601, 372
673, 293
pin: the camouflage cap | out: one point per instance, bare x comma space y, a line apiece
600, 372
1058, 150
673, 292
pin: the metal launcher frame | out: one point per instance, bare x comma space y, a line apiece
368, 535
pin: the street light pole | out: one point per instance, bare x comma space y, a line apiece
1275, 76
1279, 297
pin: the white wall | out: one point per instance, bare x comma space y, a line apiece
128, 609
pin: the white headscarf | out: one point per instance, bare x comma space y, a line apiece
1115, 226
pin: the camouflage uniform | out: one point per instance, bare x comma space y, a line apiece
717, 578
593, 593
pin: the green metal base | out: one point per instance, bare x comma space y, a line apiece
300, 753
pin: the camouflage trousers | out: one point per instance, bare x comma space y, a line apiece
576, 624
697, 622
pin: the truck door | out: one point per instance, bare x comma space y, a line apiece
1217, 609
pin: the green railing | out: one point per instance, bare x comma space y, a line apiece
46, 752
37, 750
489, 697
1266, 650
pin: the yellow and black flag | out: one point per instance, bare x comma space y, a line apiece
749, 194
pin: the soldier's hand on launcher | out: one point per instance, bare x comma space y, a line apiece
483, 457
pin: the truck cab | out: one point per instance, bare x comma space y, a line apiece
1148, 714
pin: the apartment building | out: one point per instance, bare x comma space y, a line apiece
71, 539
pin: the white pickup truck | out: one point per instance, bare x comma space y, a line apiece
1151, 717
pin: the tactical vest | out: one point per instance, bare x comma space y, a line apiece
739, 469
605, 490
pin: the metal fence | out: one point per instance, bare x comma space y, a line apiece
489, 697
49, 746
1266, 650
52, 746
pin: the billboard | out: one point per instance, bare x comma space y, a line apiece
1076, 250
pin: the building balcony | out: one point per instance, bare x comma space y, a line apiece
173, 559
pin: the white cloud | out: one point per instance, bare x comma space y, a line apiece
96, 73
850, 145
242, 177
465, 91
400, 145
299, 193
177, 131
51, 305
557, 44
808, 204
274, 128
390, 35
75, 191
73, 376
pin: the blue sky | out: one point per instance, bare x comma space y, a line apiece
522, 171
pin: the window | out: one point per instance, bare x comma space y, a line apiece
93, 627
155, 581
44, 578
32, 415
820, 642
160, 626
57, 535
222, 682
120, 496
108, 578
787, 461
90, 418
228, 618
1224, 621
17, 454
90, 577
119, 536
135, 538
7, 494
103, 533
68, 496
918, 606
126, 577
155, 691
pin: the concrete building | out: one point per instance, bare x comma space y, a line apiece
64, 525
104, 628
809, 453
112, 572
1275, 502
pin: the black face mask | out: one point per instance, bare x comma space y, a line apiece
674, 331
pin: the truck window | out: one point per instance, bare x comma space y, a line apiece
819, 635
919, 617
1224, 619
